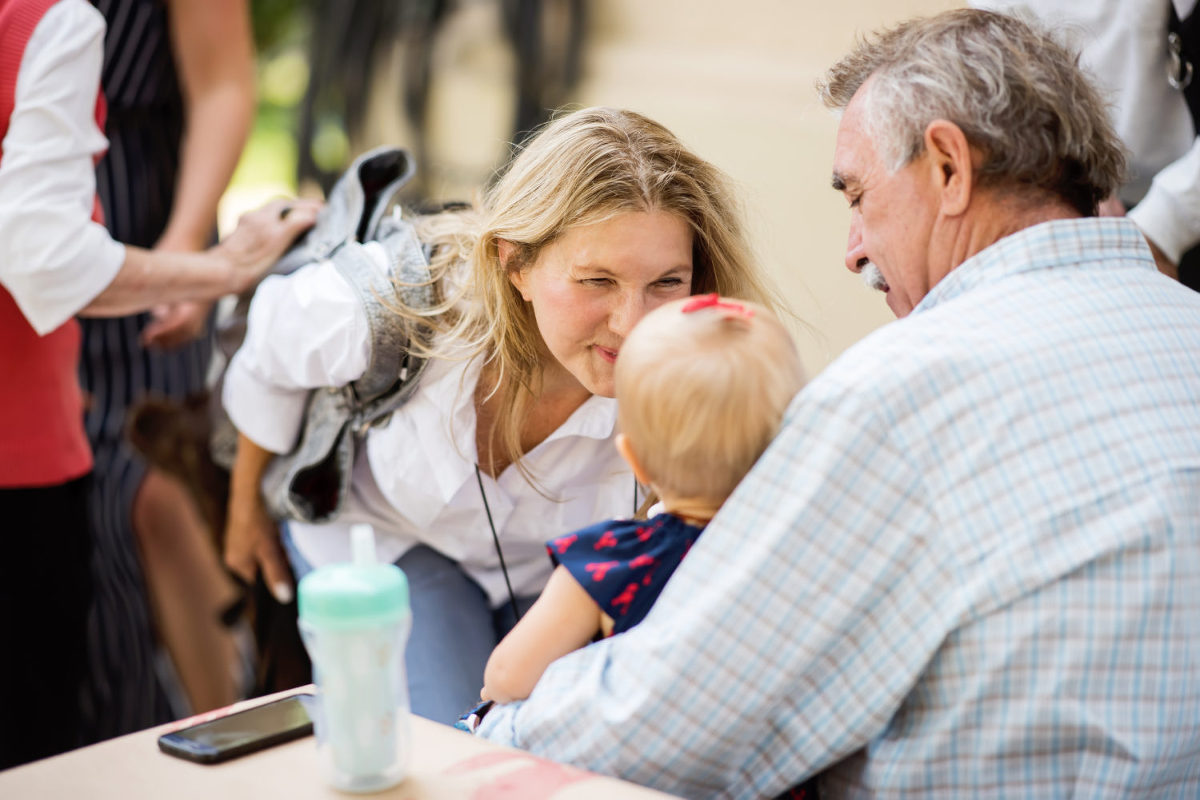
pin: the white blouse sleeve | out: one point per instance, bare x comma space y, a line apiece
1169, 214
304, 331
53, 258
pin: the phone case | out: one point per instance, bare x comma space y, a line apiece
242, 732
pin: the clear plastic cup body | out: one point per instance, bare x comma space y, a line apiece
361, 721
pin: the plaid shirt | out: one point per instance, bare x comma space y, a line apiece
968, 566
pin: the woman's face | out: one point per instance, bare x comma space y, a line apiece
591, 285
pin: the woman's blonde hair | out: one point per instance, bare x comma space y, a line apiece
701, 393
582, 167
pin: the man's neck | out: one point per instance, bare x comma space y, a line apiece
997, 216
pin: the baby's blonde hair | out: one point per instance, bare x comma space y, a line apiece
701, 392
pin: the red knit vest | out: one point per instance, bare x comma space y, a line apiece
42, 440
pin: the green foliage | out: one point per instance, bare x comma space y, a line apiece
279, 22
281, 31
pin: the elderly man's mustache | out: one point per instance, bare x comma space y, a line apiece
873, 278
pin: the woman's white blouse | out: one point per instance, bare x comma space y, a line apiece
415, 479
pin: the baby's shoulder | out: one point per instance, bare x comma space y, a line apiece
600, 536
623, 538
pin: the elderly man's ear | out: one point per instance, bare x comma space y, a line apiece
952, 162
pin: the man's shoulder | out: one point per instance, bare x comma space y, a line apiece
904, 367
891, 354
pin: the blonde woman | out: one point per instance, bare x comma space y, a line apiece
507, 442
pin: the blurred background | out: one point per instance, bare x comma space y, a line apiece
457, 80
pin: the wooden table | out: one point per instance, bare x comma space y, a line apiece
445, 763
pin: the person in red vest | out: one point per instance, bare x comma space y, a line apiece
57, 261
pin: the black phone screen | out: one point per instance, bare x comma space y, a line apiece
241, 732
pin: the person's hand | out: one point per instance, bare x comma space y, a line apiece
262, 236
175, 324
252, 543
1165, 265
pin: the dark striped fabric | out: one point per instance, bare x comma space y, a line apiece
135, 181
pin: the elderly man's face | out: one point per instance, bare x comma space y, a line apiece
891, 214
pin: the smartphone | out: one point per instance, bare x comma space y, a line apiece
241, 732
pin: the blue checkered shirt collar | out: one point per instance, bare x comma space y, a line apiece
1104, 243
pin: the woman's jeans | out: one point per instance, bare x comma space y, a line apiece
454, 631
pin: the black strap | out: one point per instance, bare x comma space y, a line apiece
512, 597
1183, 49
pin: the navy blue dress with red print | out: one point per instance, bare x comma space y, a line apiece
624, 564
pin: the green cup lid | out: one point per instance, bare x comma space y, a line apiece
362, 592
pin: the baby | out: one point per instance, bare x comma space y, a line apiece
701, 384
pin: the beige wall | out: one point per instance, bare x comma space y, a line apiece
737, 87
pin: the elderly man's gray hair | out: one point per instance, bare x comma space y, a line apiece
1018, 95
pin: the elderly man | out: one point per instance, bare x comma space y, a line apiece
969, 566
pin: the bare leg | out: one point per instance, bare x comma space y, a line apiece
188, 589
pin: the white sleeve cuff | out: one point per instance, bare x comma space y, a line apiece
51, 296
304, 331
1169, 214
267, 414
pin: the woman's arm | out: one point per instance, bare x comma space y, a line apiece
214, 54
251, 536
233, 265
563, 619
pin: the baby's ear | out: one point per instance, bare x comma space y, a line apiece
626, 451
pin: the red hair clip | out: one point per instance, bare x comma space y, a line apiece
713, 300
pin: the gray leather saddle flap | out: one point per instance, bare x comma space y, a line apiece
357, 204
313, 489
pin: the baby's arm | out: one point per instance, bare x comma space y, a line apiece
563, 619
